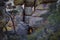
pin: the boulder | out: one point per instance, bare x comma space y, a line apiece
22, 28
43, 6
35, 21
28, 10
38, 13
18, 18
27, 18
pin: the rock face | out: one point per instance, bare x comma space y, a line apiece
33, 20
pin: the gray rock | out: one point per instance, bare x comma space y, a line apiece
27, 18
28, 10
20, 10
22, 28
42, 6
19, 16
35, 21
39, 12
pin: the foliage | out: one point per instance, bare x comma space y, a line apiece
55, 36
1, 15
14, 12
54, 18
14, 37
34, 35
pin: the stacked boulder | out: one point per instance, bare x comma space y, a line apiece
33, 17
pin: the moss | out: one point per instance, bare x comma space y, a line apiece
55, 36
34, 35
14, 37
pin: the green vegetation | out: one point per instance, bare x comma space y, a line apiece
54, 20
